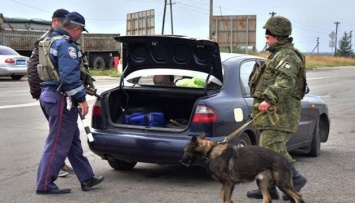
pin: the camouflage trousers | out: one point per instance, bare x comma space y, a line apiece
276, 141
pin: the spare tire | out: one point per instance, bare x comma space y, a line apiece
98, 63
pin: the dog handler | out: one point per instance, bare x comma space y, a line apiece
279, 83
64, 137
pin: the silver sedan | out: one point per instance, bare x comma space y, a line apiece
12, 63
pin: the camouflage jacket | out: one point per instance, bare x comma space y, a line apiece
276, 83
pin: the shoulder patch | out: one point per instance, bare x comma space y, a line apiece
72, 52
287, 65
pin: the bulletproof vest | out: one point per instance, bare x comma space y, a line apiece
45, 68
263, 76
301, 81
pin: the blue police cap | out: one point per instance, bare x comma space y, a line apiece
60, 14
77, 19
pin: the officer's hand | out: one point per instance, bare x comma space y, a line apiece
84, 108
264, 106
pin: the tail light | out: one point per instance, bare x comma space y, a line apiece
96, 111
10, 61
205, 114
96, 118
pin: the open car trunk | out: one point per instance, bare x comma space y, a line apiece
176, 108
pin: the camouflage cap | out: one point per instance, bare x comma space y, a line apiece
278, 26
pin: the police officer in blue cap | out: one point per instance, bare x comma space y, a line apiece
63, 139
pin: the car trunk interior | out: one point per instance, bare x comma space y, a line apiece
176, 106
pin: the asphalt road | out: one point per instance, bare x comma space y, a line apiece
23, 130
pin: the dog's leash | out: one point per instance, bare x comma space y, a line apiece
274, 122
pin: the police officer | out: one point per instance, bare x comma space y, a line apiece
279, 83
33, 79
63, 139
32, 74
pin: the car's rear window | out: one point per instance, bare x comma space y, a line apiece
7, 51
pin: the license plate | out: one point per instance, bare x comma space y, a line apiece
20, 62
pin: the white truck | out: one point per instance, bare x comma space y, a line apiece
21, 34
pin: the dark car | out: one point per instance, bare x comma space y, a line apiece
143, 121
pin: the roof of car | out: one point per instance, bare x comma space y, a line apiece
225, 56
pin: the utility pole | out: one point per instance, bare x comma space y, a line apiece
336, 37
351, 46
317, 46
162, 30
211, 19
272, 14
171, 17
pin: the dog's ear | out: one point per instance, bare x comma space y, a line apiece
194, 141
202, 135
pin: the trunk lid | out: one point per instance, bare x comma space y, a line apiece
172, 52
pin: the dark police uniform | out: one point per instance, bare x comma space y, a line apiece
63, 139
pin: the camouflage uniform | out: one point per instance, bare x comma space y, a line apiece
280, 81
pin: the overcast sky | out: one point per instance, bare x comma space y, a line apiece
310, 18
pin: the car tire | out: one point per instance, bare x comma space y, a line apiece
16, 77
121, 165
243, 140
315, 144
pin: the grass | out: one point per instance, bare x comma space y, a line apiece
318, 61
312, 61
108, 72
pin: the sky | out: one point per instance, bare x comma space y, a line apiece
311, 19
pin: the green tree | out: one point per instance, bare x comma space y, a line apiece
344, 46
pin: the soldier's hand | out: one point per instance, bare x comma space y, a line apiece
264, 106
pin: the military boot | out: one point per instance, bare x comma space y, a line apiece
299, 181
256, 194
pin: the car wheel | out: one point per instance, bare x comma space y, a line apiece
243, 140
16, 77
315, 145
121, 165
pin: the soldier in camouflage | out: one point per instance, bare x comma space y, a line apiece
278, 87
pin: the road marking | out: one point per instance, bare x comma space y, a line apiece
36, 103
317, 78
19, 105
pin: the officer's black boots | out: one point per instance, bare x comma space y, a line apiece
256, 194
299, 181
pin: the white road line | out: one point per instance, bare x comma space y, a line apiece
36, 103
317, 78
19, 105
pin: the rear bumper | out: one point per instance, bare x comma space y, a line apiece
144, 147
13, 71
139, 148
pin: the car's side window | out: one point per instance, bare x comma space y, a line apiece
245, 70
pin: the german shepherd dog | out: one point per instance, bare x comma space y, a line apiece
230, 165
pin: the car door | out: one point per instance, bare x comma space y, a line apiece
297, 139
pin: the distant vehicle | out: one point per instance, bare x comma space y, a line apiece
211, 94
21, 34
12, 63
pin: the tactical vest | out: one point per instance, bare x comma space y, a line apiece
260, 79
45, 68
